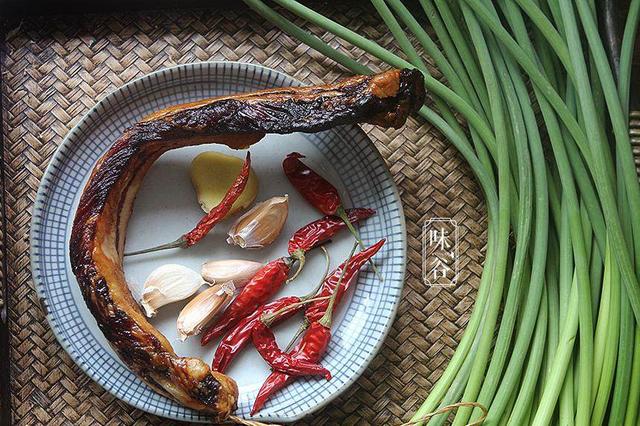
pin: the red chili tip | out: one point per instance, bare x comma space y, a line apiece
296, 155
254, 410
327, 375
361, 212
204, 339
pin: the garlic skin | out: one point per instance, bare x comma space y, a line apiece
261, 225
167, 284
238, 271
202, 308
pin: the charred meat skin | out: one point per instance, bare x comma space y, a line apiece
97, 237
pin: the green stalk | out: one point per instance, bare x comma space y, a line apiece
538, 79
583, 409
583, 179
473, 83
624, 363
456, 388
561, 360
523, 338
553, 300
459, 80
554, 9
626, 398
598, 161
566, 412
399, 35
619, 123
546, 28
631, 417
505, 420
522, 407
581, 278
306, 37
595, 275
518, 104
611, 349
495, 99
439, 390
471, 62
602, 326
566, 272
623, 378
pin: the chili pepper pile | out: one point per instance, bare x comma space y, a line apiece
319, 192
262, 286
250, 316
314, 342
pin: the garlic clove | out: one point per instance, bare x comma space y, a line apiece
261, 225
238, 271
167, 284
202, 308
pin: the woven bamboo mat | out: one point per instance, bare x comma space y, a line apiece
57, 68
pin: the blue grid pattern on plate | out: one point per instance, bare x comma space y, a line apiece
346, 148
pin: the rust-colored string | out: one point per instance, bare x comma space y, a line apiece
452, 407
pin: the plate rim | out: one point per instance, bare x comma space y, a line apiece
35, 226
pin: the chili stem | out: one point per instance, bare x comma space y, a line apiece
269, 318
305, 323
326, 318
300, 257
342, 214
179, 243
301, 329
327, 264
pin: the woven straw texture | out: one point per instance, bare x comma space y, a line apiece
57, 68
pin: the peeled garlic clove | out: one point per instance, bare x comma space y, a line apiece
167, 284
261, 225
212, 173
202, 308
238, 271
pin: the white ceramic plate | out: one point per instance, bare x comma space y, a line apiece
166, 207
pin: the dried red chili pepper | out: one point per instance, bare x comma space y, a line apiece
313, 187
239, 336
319, 231
319, 193
214, 216
265, 343
315, 310
262, 286
304, 350
313, 344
